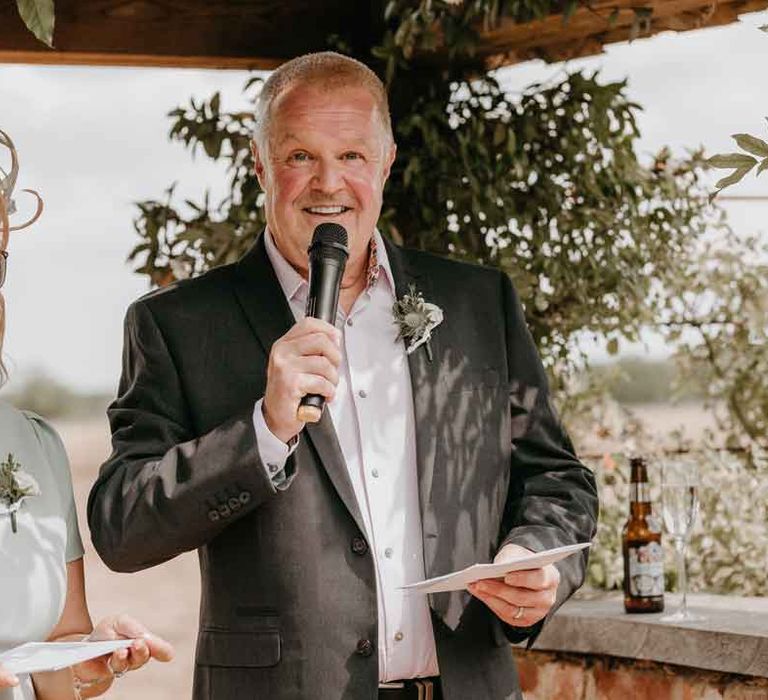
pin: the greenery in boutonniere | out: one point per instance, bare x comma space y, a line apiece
15, 486
416, 319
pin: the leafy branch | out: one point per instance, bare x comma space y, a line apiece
39, 17
755, 157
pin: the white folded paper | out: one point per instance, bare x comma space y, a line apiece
461, 579
35, 657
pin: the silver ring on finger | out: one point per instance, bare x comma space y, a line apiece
115, 674
520, 612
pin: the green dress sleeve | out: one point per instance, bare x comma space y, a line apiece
59, 464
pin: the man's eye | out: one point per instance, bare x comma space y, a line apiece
352, 155
299, 156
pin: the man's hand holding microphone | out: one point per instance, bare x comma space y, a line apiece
304, 361
303, 368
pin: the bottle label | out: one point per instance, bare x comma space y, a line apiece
646, 570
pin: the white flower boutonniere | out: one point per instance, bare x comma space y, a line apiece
416, 319
15, 486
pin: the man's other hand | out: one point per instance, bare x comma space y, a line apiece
304, 361
522, 598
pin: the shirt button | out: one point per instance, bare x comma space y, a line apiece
350, 322
362, 393
375, 473
273, 468
388, 552
399, 636
359, 546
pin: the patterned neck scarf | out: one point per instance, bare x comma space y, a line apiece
372, 274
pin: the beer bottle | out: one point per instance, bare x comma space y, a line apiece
641, 546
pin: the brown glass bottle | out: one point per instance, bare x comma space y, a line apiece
641, 546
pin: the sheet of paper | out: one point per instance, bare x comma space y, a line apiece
51, 656
459, 580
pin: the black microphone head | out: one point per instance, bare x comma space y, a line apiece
329, 235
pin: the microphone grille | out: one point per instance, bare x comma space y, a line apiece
330, 233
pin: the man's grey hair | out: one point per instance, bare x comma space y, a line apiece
327, 70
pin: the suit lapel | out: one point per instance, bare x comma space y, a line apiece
264, 304
424, 385
261, 297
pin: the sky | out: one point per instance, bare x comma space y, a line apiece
94, 140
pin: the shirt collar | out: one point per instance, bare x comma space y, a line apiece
293, 284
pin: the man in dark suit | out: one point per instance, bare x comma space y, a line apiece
426, 460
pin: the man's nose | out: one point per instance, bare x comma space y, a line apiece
328, 176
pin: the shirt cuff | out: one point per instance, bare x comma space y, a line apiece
273, 451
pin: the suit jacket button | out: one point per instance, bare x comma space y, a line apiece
213, 515
224, 510
245, 497
364, 647
359, 546
234, 504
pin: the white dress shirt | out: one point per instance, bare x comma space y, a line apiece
372, 413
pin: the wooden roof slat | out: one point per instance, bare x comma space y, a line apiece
261, 34
188, 33
589, 29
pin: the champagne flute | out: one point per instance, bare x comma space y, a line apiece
679, 507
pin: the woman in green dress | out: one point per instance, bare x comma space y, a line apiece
42, 592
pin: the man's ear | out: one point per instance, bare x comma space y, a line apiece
389, 159
258, 164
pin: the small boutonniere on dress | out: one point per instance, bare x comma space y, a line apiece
15, 486
416, 319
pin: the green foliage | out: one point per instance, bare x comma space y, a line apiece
729, 545
755, 158
740, 163
39, 17
547, 186
178, 244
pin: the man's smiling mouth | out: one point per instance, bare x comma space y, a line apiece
334, 210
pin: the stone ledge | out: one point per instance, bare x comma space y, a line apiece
733, 639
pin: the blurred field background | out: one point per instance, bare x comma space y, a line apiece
166, 598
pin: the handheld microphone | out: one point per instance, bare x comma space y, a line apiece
328, 255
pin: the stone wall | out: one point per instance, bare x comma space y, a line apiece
563, 676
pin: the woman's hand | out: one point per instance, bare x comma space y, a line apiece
7, 679
96, 675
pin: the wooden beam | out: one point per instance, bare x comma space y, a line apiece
261, 34
82, 58
607, 21
188, 33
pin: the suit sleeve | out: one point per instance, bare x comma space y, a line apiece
552, 499
165, 490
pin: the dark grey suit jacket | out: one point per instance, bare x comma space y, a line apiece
288, 604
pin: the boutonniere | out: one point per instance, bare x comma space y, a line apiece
15, 486
416, 319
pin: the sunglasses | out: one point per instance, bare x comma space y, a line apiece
3, 266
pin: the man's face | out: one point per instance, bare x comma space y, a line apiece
327, 160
